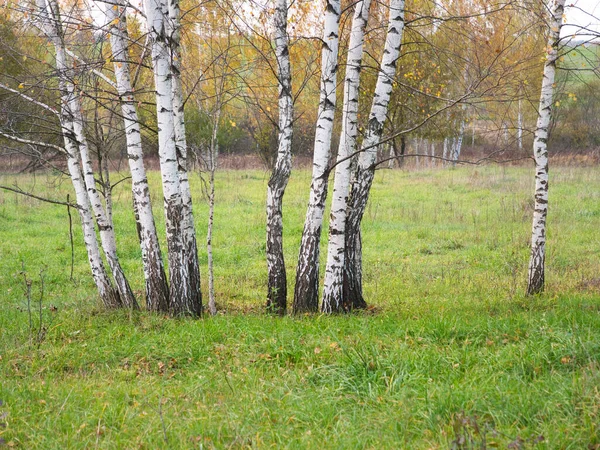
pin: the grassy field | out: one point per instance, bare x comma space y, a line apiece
451, 355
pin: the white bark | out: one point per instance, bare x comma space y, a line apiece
307, 272
459, 142
108, 294
51, 25
277, 278
158, 29
540, 150
391, 155
157, 293
520, 128
212, 161
432, 154
334, 272
105, 226
445, 151
193, 303
367, 158
438, 11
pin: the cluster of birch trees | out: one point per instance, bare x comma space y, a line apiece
355, 164
180, 293
374, 113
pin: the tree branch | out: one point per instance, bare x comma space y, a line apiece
30, 99
30, 142
94, 71
18, 190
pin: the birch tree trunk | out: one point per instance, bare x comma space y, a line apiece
307, 271
157, 289
391, 154
108, 294
445, 152
52, 27
212, 161
277, 278
366, 163
180, 292
459, 141
105, 226
540, 150
520, 128
193, 303
334, 272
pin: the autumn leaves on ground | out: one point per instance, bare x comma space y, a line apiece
451, 354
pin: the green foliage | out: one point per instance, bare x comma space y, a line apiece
199, 130
451, 354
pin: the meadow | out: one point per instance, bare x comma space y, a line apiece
450, 354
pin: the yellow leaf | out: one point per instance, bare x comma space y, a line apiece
21, 86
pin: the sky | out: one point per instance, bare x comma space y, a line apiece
581, 13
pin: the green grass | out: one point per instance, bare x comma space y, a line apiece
451, 347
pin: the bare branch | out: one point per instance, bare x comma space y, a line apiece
30, 142
94, 71
18, 190
30, 99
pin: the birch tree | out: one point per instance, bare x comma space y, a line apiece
333, 284
157, 290
520, 126
365, 171
540, 151
218, 56
213, 154
181, 286
277, 279
307, 272
193, 303
103, 219
51, 25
